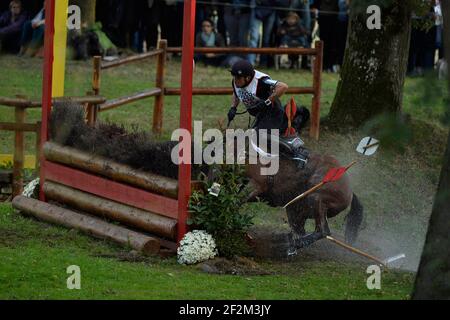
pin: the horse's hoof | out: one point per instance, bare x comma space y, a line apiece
292, 252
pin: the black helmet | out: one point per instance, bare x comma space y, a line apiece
242, 68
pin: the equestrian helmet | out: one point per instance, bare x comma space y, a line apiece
242, 68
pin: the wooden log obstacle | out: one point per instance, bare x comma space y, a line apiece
102, 193
160, 90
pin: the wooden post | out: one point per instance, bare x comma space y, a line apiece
187, 69
18, 153
38, 147
93, 109
160, 83
96, 75
90, 111
317, 85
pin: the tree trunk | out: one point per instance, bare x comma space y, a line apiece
87, 11
374, 69
433, 280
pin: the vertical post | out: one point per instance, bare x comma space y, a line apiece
317, 85
38, 147
160, 83
96, 86
59, 46
18, 152
97, 65
187, 69
47, 83
90, 111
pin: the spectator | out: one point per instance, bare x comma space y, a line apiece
439, 29
304, 11
205, 10
171, 22
342, 30
423, 45
114, 16
237, 21
328, 10
11, 23
149, 12
261, 15
292, 34
209, 38
33, 34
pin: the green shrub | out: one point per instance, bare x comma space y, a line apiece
222, 216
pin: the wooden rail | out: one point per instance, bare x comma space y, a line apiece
229, 91
161, 90
111, 104
241, 50
135, 58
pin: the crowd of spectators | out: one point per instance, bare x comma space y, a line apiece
138, 25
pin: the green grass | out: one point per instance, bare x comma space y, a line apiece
397, 190
35, 257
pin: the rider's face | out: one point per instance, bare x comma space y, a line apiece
241, 82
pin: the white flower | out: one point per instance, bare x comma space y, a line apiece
28, 191
196, 246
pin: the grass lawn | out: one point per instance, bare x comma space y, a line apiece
397, 191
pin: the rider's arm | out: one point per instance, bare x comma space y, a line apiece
279, 89
235, 101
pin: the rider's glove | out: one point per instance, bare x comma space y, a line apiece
263, 105
232, 114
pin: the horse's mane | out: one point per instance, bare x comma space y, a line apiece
137, 149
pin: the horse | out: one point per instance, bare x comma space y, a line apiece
290, 181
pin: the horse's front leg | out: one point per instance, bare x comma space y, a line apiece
254, 191
322, 230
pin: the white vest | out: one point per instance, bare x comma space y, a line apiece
247, 95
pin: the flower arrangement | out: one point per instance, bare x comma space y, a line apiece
30, 189
220, 210
196, 246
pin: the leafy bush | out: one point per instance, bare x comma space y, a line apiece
222, 216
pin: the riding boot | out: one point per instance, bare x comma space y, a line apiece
301, 156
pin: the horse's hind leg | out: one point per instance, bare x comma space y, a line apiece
320, 216
354, 219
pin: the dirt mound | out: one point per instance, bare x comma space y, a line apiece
238, 266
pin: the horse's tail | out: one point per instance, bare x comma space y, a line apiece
354, 219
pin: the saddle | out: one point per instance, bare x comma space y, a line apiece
293, 149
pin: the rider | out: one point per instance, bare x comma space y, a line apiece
261, 98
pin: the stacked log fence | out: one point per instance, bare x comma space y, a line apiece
106, 199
